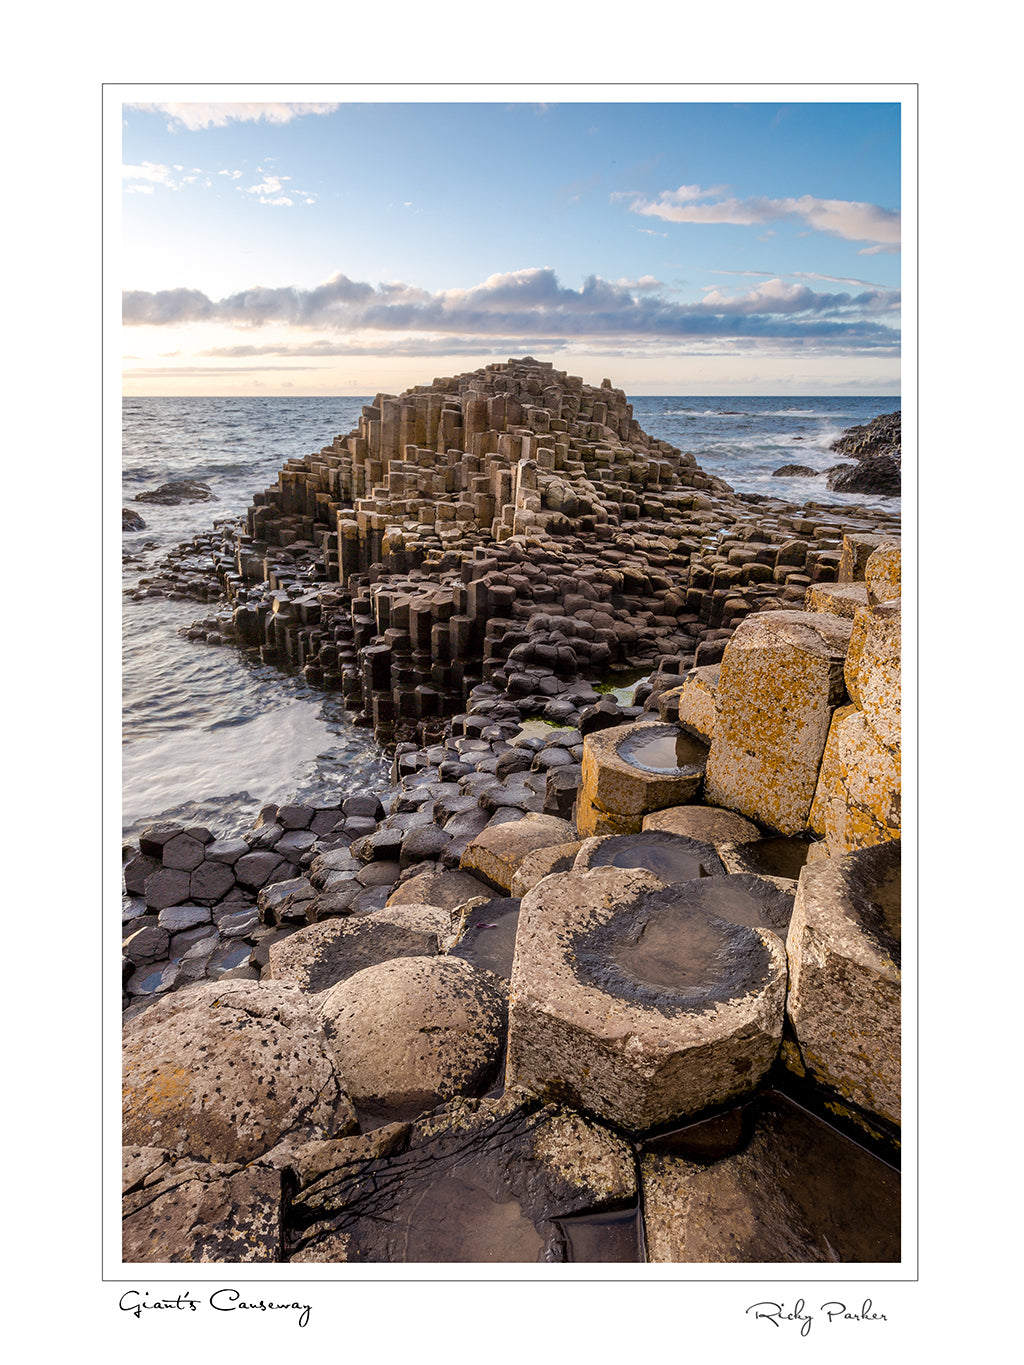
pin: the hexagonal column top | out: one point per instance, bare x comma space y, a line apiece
631, 770
635, 1001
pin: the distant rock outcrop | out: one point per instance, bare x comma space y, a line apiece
181, 490
877, 449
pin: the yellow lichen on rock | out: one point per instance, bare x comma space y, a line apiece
697, 700
864, 805
781, 679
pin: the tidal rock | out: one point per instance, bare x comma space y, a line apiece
178, 491
877, 475
131, 521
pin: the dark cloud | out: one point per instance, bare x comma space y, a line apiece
533, 303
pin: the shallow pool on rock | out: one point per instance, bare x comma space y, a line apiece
664, 749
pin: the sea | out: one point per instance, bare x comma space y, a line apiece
209, 736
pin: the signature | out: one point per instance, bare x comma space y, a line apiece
833, 1311
221, 1300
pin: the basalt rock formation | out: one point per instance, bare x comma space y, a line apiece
877, 449
594, 972
501, 526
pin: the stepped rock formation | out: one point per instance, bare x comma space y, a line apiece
502, 525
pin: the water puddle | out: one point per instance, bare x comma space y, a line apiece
663, 750
461, 1218
672, 857
604, 1237
489, 939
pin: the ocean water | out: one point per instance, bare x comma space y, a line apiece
208, 736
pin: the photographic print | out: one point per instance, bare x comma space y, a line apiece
512, 522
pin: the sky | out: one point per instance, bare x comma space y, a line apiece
341, 247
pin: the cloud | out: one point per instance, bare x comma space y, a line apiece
197, 116
854, 221
533, 302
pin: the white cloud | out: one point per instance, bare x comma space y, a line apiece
197, 116
852, 220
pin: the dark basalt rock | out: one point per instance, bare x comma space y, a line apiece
793, 471
178, 491
879, 474
131, 521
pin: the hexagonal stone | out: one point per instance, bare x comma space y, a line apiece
841, 599
864, 806
671, 857
632, 770
148, 944
182, 852
636, 1006
211, 881
781, 679
137, 870
707, 823
828, 773
844, 992
444, 887
153, 837
873, 669
696, 701
287, 901
295, 817
177, 917
415, 1031
168, 886
497, 852
256, 869
222, 1070
542, 862
294, 843
226, 851
322, 954
883, 574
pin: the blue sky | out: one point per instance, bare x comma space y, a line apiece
681, 247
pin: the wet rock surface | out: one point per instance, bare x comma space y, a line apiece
797, 1192
485, 1182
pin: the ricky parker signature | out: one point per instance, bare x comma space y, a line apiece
833, 1311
